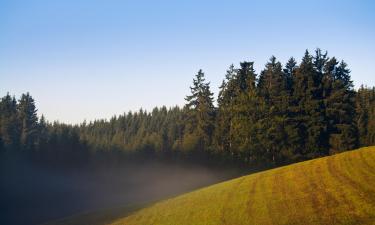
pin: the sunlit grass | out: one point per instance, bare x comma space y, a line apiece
338, 189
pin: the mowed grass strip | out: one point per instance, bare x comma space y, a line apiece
337, 189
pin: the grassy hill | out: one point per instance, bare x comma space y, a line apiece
338, 189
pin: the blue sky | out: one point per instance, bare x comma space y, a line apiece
93, 59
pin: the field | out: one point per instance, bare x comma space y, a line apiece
338, 189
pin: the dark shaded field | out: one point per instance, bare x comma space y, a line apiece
33, 193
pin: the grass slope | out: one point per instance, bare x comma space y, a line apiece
338, 189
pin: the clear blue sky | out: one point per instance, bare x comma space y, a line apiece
93, 59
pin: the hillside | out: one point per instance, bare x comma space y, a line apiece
338, 189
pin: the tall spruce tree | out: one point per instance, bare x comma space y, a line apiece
365, 115
289, 71
227, 92
28, 121
297, 109
42, 135
317, 141
273, 92
340, 106
247, 111
293, 126
201, 113
9, 124
312, 104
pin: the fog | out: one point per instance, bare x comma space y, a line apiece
34, 194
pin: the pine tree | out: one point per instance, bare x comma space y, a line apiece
42, 135
346, 127
273, 91
223, 141
362, 115
365, 115
29, 121
317, 138
340, 106
247, 110
291, 126
201, 113
289, 73
297, 131
317, 141
9, 125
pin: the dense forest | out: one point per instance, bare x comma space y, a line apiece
284, 114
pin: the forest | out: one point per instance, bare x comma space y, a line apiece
284, 114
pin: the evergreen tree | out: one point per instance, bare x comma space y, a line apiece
227, 92
42, 134
289, 73
9, 125
297, 109
28, 120
340, 106
201, 113
247, 110
365, 115
273, 91
293, 124
317, 141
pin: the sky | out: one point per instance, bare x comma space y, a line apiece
88, 59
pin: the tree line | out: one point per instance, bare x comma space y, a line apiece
282, 115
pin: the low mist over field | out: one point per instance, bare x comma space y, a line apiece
33, 194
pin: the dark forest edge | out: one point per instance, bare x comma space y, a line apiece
283, 115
